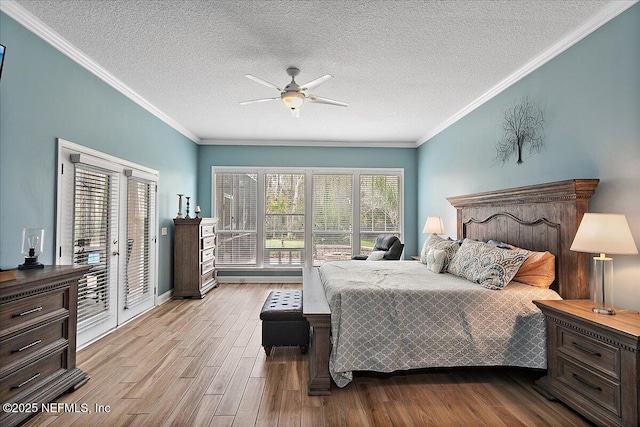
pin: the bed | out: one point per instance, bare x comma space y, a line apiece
463, 324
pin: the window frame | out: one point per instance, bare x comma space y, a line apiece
308, 197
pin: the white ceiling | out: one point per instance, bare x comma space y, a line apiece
406, 68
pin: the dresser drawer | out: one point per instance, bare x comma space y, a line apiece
599, 390
207, 254
17, 314
207, 277
209, 242
32, 341
32, 375
206, 230
207, 266
591, 352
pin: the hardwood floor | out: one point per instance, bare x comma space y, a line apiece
200, 363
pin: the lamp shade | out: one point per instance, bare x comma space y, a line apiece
433, 225
292, 99
605, 234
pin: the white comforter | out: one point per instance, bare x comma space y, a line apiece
396, 315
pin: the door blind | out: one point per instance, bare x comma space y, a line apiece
137, 286
94, 215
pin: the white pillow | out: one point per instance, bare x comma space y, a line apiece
435, 259
376, 256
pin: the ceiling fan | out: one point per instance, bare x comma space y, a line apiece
293, 96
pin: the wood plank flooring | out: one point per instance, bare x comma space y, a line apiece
200, 363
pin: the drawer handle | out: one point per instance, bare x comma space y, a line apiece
577, 378
36, 342
24, 313
25, 382
586, 350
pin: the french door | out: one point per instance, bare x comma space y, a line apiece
106, 219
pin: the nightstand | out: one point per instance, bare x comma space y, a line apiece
592, 361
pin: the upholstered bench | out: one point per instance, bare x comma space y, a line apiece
282, 321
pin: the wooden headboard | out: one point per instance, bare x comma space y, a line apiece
536, 217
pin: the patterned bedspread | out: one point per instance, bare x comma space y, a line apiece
397, 315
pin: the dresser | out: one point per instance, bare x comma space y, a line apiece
38, 321
593, 361
194, 260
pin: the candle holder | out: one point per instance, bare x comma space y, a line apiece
197, 211
179, 206
187, 216
32, 247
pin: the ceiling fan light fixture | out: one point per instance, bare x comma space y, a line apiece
292, 99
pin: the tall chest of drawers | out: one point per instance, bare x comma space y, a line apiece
194, 260
593, 361
38, 321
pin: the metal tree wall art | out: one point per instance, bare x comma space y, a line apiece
523, 127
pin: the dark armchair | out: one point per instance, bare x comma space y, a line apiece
391, 245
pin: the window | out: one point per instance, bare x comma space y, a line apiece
292, 218
284, 219
332, 217
379, 208
236, 197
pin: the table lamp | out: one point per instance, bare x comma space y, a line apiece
433, 225
32, 246
603, 234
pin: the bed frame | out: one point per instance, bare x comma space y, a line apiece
537, 217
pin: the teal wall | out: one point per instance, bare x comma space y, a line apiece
591, 98
338, 157
45, 95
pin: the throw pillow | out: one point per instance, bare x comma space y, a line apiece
486, 265
539, 270
376, 256
435, 260
450, 247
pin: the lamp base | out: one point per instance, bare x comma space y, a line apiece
30, 263
603, 310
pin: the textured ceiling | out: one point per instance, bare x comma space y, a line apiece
404, 67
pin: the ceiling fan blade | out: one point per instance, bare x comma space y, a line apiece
315, 83
320, 100
254, 101
262, 82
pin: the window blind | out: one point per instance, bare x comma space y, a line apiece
284, 219
95, 213
332, 212
379, 208
137, 276
236, 196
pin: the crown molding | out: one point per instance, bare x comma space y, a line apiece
39, 28
310, 143
606, 15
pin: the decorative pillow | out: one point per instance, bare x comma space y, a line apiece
450, 247
486, 265
435, 260
539, 270
376, 256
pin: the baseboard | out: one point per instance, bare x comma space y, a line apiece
166, 297
260, 279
